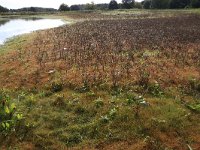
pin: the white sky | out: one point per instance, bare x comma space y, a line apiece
13, 4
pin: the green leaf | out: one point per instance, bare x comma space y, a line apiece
12, 107
7, 110
3, 125
19, 116
7, 125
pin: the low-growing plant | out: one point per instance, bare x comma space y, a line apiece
30, 100
99, 103
155, 89
9, 118
104, 119
144, 79
194, 84
57, 83
112, 113
56, 86
59, 101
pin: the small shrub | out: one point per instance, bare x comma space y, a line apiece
56, 86
112, 113
59, 102
194, 107
194, 84
104, 119
8, 117
130, 99
116, 90
80, 110
84, 88
155, 89
144, 79
99, 103
30, 101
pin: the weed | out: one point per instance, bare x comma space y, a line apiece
9, 118
99, 103
155, 89
59, 102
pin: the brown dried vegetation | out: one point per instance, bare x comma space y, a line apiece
118, 52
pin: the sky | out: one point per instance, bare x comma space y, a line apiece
13, 4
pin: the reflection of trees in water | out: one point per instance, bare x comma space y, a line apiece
2, 22
32, 19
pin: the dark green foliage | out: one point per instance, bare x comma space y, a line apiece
138, 5
195, 3
33, 9
3, 9
64, 7
113, 5
155, 89
9, 119
101, 6
74, 7
99, 103
179, 3
146, 4
159, 4
173, 4
128, 4
90, 6
56, 87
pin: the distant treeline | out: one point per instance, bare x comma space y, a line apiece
33, 9
128, 4
3, 9
28, 9
125, 4
170, 4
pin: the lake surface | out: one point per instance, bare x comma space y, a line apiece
13, 27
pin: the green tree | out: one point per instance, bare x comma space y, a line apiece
74, 7
90, 6
159, 4
146, 4
195, 3
64, 7
138, 5
179, 3
128, 4
113, 5
3, 9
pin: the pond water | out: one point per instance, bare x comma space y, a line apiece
14, 27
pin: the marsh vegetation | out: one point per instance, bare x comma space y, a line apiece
114, 79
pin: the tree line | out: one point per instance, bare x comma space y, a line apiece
27, 9
170, 4
3, 9
125, 4
129, 4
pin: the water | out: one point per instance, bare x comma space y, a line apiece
13, 27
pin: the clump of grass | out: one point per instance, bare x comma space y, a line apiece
99, 103
59, 101
155, 89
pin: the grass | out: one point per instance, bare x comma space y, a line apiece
15, 43
70, 118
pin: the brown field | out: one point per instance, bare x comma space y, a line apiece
113, 52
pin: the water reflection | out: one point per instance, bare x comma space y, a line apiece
13, 27
2, 22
